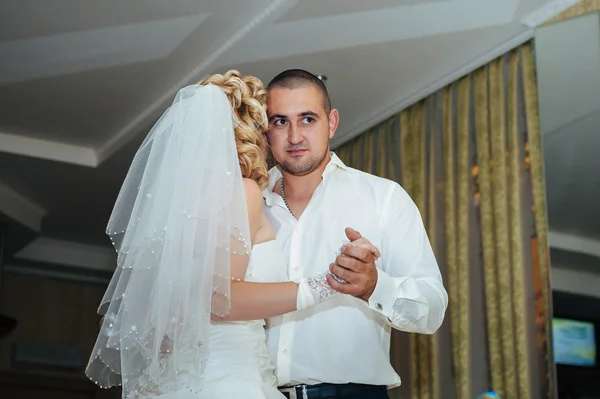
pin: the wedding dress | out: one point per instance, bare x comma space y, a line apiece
181, 232
238, 364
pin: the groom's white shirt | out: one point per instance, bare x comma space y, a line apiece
345, 339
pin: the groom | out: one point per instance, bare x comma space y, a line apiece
340, 348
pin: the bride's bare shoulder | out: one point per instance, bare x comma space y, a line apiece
254, 201
253, 193
260, 228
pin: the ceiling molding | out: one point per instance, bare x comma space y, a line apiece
547, 12
574, 243
575, 281
145, 117
377, 117
50, 150
21, 209
81, 51
376, 26
68, 253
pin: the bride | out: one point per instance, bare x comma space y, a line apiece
198, 267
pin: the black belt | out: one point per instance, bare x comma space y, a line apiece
323, 391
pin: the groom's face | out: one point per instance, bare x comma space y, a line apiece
299, 128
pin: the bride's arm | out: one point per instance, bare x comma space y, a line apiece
255, 301
250, 300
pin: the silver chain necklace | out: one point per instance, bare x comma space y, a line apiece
283, 196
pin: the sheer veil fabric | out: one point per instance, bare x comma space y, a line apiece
180, 228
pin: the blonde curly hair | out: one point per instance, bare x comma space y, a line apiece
247, 96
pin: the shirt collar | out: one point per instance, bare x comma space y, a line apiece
275, 174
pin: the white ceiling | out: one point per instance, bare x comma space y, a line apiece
82, 82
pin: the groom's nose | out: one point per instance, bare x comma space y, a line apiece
294, 135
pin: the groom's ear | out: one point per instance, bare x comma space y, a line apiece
334, 121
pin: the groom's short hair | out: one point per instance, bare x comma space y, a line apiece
297, 78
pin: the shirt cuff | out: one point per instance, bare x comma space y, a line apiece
384, 296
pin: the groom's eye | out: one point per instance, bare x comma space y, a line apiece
279, 122
308, 120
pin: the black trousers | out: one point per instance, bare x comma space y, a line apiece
366, 395
335, 391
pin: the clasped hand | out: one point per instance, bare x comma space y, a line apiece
356, 266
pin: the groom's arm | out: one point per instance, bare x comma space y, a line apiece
409, 291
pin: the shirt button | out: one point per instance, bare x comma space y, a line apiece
296, 268
379, 307
284, 351
296, 229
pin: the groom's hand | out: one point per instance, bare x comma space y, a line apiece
356, 266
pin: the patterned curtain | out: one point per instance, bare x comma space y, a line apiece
470, 157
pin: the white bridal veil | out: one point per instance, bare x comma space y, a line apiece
180, 228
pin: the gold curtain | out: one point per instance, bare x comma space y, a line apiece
470, 157
581, 8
